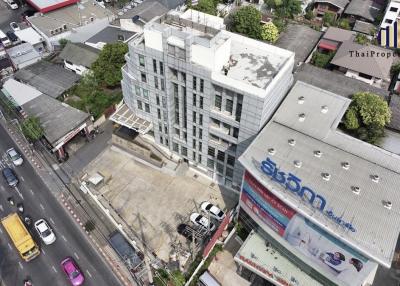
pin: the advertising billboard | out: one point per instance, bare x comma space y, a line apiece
320, 247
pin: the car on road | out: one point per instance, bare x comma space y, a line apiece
12, 36
186, 231
45, 232
14, 26
4, 40
10, 177
72, 271
214, 211
12, 4
15, 157
201, 221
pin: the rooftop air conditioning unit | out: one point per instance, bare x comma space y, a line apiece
318, 154
346, 165
302, 117
326, 176
324, 109
356, 190
297, 163
91, 19
375, 178
292, 142
301, 100
271, 151
387, 204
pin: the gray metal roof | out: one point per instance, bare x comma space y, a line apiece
299, 39
110, 35
147, 10
22, 53
366, 9
79, 54
363, 27
376, 227
337, 3
374, 66
48, 78
338, 35
56, 118
394, 105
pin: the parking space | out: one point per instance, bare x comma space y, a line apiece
153, 202
7, 15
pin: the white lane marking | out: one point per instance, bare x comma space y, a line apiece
19, 193
1, 231
52, 221
1, 208
63, 237
44, 252
54, 269
31, 191
20, 265
41, 206
87, 271
9, 246
22, 178
2, 188
76, 255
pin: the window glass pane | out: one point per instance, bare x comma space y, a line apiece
229, 106
211, 151
175, 147
161, 68
147, 107
210, 163
201, 85
221, 155
141, 60
143, 77
231, 160
154, 66
218, 102
145, 93
139, 103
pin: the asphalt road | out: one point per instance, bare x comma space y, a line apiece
7, 15
71, 241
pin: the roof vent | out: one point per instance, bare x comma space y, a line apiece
271, 151
356, 190
346, 165
387, 204
302, 117
326, 176
324, 109
375, 178
301, 100
318, 154
292, 142
297, 163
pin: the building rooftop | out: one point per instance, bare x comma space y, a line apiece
338, 3
376, 65
364, 27
79, 54
366, 184
147, 10
367, 9
338, 35
23, 53
68, 18
299, 39
29, 35
44, 6
111, 34
394, 105
18, 92
48, 78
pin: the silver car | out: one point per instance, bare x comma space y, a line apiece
15, 157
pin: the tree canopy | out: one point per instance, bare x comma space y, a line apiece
367, 116
285, 8
107, 67
246, 21
329, 18
206, 6
269, 32
32, 129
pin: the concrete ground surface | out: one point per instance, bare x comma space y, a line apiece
151, 201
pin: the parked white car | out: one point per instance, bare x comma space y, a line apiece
45, 232
12, 4
214, 211
15, 157
14, 26
201, 221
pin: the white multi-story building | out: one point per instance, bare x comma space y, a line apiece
391, 14
205, 92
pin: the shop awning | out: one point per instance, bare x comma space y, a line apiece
126, 117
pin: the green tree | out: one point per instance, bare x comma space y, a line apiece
361, 39
285, 8
329, 19
63, 43
269, 32
32, 129
280, 24
107, 67
395, 68
309, 15
321, 60
246, 20
367, 116
344, 24
206, 6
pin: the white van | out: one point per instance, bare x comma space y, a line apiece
206, 279
4, 39
12, 4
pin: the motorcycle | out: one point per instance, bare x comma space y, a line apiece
28, 220
28, 282
11, 201
20, 207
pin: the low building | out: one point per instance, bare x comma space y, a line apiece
333, 38
84, 18
50, 79
364, 10
109, 35
29, 35
45, 6
78, 57
23, 55
329, 6
366, 28
391, 14
308, 193
60, 121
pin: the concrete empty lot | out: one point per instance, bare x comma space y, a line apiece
151, 201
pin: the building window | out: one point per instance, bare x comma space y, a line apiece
165, 115
145, 93
160, 127
200, 133
194, 116
235, 132
137, 90
171, 50
156, 82
181, 53
201, 85
194, 144
231, 160
174, 73
154, 66
194, 99
200, 146
176, 90
229, 106
221, 156
194, 83
177, 132
388, 21
185, 136
166, 142
175, 147
143, 76
176, 117
161, 140
159, 113
147, 107
141, 60
210, 163
165, 129
164, 102
220, 168
201, 102
157, 100
194, 131
139, 104
194, 156
214, 138
161, 68
393, 9
229, 173
201, 119
162, 84
218, 102
199, 160
184, 151
211, 151
238, 110
183, 76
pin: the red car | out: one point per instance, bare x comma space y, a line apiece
73, 272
